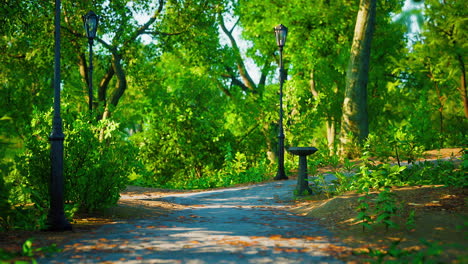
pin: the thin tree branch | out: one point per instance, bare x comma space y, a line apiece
264, 73
104, 84
246, 79
164, 33
148, 23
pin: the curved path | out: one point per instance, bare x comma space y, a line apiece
238, 225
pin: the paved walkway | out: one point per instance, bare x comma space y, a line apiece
237, 225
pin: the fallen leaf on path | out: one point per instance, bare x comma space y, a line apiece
74, 245
275, 237
335, 250
313, 237
152, 248
239, 243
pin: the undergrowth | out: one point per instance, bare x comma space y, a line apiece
378, 206
27, 254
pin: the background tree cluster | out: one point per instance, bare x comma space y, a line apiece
187, 90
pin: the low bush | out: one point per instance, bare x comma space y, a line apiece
95, 171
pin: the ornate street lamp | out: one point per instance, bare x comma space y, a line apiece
90, 21
56, 220
281, 32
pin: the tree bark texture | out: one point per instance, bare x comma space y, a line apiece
354, 122
462, 88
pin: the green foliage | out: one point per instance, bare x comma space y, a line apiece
386, 208
363, 210
399, 141
371, 176
319, 185
376, 211
198, 138
375, 177
410, 221
97, 165
395, 254
181, 95
95, 171
436, 173
5, 207
27, 250
236, 170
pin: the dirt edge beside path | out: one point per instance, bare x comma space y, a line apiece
440, 217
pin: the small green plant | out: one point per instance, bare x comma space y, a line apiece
374, 177
386, 208
405, 146
395, 254
343, 182
319, 185
363, 210
349, 166
27, 250
410, 221
432, 250
300, 194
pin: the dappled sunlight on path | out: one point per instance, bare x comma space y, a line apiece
239, 225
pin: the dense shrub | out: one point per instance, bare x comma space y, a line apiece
5, 206
236, 169
379, 176
95, 169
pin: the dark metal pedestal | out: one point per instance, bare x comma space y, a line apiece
302, 181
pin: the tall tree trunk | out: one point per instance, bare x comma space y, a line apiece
462, 87
354, 122
442, 100
331, 133
330, 123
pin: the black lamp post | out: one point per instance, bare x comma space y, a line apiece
56, 220
90, 21
281, 32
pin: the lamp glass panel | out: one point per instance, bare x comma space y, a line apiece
281, 33
91, 23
